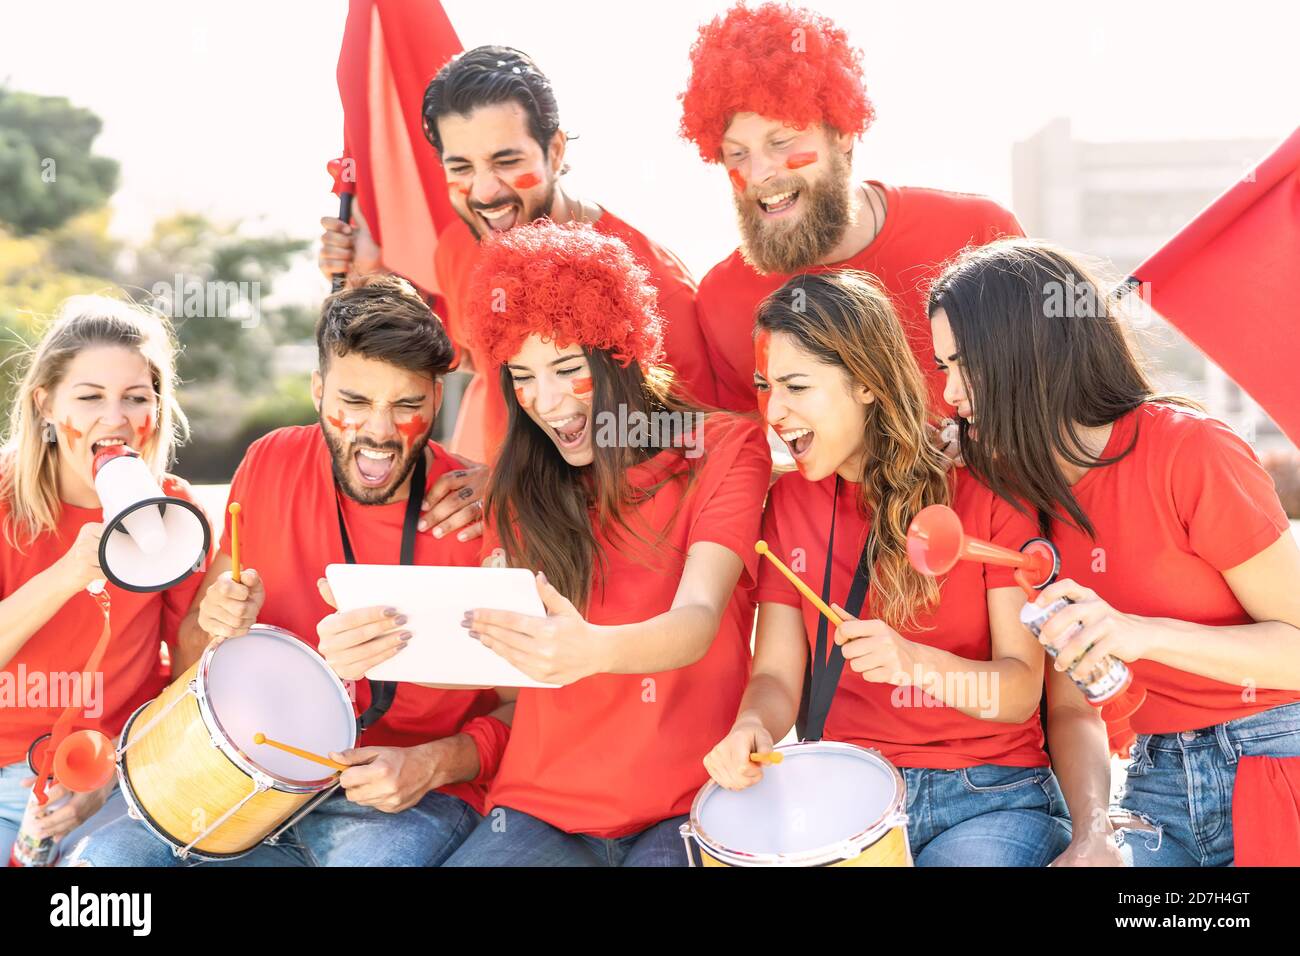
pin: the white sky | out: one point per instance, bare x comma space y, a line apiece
231, 108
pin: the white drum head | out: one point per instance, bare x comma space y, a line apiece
819, 796
270, 682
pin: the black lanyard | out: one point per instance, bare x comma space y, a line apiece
382, 692
822, 672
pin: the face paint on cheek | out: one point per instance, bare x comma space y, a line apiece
582, 390
144, 431
342, 424
413, 430
459, 189
762, 343
522, 399
527, 181
800, 160
737, 180
69, 432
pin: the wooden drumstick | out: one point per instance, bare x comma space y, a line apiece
761, 547
234, 510
260, 738
772, 757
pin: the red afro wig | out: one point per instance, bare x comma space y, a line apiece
782, 62
570, 284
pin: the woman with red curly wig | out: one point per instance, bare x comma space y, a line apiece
638, 512
776, 96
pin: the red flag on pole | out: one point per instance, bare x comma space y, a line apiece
391, 50
1228, 280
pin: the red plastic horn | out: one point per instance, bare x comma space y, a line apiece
936, 542
84, 761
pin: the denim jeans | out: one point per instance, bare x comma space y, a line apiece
13, 804
337, 833
510, 838
985, 815
1182, 785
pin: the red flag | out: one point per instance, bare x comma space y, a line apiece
391, 50
1228, 280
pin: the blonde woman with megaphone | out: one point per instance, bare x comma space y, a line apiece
102, 375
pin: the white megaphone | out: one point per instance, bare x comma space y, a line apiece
151, 541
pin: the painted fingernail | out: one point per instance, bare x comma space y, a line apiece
467, 620
390, 612
404, 636
437, 532
459, 474
424, 526
401, 619
466, 492
461, 537
476, 635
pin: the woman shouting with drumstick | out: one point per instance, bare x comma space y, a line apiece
1175, 551
941, 679
639, 514
102, 375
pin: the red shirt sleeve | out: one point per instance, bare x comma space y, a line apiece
1225, 498
1010, 529
773, 586
732, 488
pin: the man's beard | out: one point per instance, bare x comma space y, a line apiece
341, 462
781, 248
526, 214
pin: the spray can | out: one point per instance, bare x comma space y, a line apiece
31, 849
1108, 681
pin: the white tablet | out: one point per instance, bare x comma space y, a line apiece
434, 601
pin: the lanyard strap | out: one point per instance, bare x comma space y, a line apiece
822, 673
382, 692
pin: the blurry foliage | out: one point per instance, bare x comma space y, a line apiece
54, 243
46, 164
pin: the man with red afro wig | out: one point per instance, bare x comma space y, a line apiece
776, 95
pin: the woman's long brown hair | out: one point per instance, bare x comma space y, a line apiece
1044, 353
844, 319
547, 512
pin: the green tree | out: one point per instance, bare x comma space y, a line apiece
49, 173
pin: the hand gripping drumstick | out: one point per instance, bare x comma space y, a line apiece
772, 757
261, 738
234, 510
761, 547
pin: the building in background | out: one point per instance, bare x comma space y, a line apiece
1120, 202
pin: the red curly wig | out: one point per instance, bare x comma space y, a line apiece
571, 284
778, 61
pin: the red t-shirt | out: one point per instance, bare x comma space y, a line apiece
907, 725
683, 341
923, 229
613, 754
139, 623
1190, 501
289, 533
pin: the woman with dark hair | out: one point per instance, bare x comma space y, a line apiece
1175, 550
639, 513
942, 678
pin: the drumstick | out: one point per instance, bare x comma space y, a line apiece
772, 757
260, 738
761, 547
234, 510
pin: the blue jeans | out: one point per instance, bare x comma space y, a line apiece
985, 815
13, 803
1182, 785
337, 833
510, 838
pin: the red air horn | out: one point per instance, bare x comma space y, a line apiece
936, 542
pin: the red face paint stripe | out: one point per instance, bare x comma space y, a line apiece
413, 430
143, 432
69, 432
582, 388
337, 422
527, 181
737, 180
458, 188
519, 397
799, 160
762, 343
